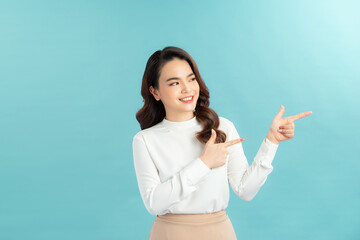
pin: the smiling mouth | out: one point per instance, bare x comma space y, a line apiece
187, 99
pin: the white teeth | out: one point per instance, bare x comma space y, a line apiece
186, 99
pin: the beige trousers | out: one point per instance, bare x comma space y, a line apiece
209, 226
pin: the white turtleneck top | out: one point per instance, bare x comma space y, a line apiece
173, 179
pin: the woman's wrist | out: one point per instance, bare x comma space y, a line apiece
271, 139
202, 159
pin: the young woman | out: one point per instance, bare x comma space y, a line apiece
186, 155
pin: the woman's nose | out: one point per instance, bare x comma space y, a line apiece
185, 87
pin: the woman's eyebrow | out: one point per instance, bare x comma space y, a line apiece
175, 78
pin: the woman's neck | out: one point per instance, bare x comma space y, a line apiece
180, 118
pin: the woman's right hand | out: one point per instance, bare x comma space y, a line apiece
215, 154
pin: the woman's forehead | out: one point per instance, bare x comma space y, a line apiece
176, 68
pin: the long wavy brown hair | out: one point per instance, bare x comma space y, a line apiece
153, 111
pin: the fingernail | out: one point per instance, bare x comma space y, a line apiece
212, 131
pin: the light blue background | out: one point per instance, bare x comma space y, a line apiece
70, 78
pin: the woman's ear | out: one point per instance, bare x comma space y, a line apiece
155, 93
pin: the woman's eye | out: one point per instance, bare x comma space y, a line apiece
172, 84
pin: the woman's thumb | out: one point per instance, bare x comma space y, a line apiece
212, 137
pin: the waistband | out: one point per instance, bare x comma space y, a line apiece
193, 219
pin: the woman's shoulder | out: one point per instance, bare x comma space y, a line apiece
225, 122
156, 129
227, 125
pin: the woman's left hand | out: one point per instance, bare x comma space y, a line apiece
282, 129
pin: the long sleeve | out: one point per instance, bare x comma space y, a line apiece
159, 196
247, 180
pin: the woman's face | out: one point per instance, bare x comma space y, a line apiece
177, 81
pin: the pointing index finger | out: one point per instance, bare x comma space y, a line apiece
300, 115
232, 142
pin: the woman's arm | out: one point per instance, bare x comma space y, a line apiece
159, 196
247, 180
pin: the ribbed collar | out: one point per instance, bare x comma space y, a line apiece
183, 124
